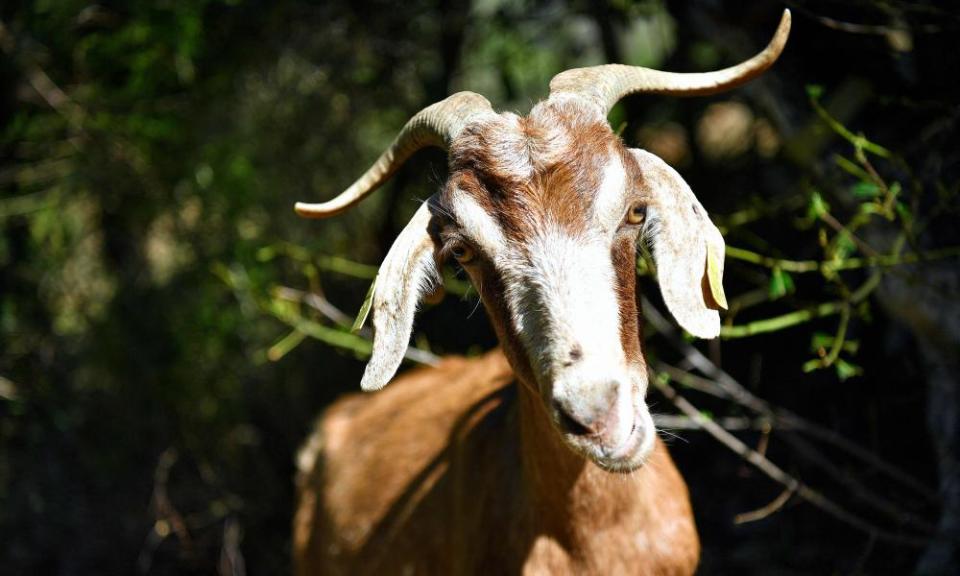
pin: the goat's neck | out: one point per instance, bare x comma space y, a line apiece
571, 495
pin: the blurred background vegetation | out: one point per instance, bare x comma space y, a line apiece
166, 323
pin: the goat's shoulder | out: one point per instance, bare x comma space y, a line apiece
374, 459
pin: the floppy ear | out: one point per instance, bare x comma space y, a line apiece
409, 273
687, 248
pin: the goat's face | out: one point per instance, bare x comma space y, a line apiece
544, 213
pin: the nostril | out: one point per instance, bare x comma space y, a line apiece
571, 424
576, 353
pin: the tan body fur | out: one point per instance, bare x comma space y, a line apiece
475, 482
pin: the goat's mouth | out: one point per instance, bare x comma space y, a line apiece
621, 456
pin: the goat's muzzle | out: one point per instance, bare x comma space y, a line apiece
606, 421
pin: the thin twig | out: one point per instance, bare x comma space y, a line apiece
232, 562
804, 449
42, 84
783, 321
877, 29
767, 510
806, 266
859, 141
841, 229
839, 339
860, 492
334, 314
796, 317
168, 518
730, 423
726, 386
775, 473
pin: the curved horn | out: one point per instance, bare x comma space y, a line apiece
606, 84
436, 125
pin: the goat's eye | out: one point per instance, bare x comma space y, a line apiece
462, 252
637, 214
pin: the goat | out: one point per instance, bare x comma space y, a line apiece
540, 456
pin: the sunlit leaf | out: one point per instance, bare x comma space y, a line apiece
364, 309
846, 370
814, 91
781, 284
865, 190
817, 206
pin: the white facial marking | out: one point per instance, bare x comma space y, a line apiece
561, 294
477, 224
609, 205
560, 290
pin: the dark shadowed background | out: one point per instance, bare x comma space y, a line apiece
166, 336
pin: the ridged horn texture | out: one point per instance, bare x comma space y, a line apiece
606, 84
436, 125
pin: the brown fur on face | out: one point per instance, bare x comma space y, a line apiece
624, 262
532, 171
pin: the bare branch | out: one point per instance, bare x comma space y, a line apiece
730, 423
775, 473
719, 383
767, 510
41, 82
334, 314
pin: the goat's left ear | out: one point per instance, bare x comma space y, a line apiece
687, 248
410, 273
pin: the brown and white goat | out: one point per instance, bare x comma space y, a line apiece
541, 456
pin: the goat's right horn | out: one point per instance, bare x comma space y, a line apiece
604, 85
436, 125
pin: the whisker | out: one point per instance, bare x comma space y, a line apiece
670, 435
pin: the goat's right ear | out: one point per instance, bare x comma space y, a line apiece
409, 273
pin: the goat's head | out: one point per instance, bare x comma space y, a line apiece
544, 212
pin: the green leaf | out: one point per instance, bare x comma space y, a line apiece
781, 284
821, 340
811, 365
904, 211
850, 167
818, 206
871, 208
814, 91
865, 190
895, 189
845, 246
364, 309
266, 253
847, 370
285, 345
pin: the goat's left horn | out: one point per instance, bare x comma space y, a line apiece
606, 84
436, 125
